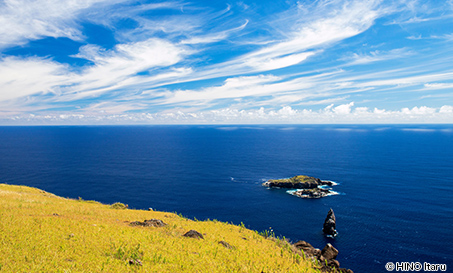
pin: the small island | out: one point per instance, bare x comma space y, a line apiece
303, 186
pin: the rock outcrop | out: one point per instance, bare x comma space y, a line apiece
329, 252
325, 257
149, 223
311, 193
193, 234
308, 249
226, 245
135, 262
329, 227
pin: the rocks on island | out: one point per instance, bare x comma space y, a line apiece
303, 186
296, 182
311, 193
329, 227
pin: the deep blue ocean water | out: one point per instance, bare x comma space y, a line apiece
396, 181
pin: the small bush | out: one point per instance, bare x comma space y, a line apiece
88, 201
119, 205
267, 233
126, 252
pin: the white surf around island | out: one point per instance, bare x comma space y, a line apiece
324, 190
333, 183
300, 193
304, 186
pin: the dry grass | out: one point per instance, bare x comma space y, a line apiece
41, 232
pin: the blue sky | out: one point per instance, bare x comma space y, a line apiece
225, 62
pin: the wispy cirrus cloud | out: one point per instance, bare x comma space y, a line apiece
24, 20
232, 88
436, 85
330, 22
24, 77
112, 69
377, 55
215, 37
119, 67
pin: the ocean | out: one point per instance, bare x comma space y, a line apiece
395, 181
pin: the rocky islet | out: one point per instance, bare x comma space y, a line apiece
303, 186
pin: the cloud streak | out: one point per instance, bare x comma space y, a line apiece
24, 77
24, 20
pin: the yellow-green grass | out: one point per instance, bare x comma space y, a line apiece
41, 232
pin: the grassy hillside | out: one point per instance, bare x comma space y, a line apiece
41, 232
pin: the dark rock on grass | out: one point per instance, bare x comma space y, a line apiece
135, 262
330, 224
193, 234
329, 252
226, 245
149, 223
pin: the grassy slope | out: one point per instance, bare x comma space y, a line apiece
41, 232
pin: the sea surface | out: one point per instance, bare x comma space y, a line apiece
395, 181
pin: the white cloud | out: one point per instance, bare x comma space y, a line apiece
446, 109
24, 20
424, 110
414, 37
284, 112
438, 85
396, 79
144, 54
112, 108
283, 115
211, 38
24, 77
343, 109
376, 56
112, 70
330, 23
238, 87
264, 64
117, 68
